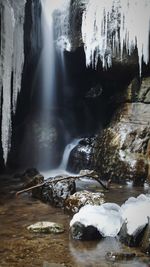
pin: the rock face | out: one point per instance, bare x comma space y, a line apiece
122, 150
79, 199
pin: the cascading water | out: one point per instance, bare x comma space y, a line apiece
62, 169
67, 151
54, 42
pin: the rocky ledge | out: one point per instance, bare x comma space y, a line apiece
122, 150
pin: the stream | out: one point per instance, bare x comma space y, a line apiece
19, 247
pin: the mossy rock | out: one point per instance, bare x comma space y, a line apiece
46, 228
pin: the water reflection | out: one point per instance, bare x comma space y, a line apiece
47, 264
92, 254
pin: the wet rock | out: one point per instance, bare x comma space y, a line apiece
81, 157
55, 193
74, 202
132, 240
120, 256
121, 149
134, 213
30, 178
145, 243
82, 232
46, 228
37, 179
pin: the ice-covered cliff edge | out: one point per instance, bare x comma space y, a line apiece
110, 27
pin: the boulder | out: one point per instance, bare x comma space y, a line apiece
46, 228
81, 157
79, 199
135, 212
131, 240
55, 193
29, 178
105, 218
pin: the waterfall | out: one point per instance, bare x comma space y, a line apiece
54, 17
66, 154
110, 26
62, 169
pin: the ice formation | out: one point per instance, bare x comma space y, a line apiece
110, 26
12, 59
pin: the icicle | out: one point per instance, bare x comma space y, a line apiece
18, 52
11, 58
7, 52
104, 19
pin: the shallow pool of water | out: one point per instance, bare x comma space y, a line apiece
19, 247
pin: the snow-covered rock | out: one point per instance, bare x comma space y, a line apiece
135, 212
106, 218
55, 193
130, 221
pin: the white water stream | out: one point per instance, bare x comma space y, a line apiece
62, 169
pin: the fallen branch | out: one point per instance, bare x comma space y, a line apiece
89, 174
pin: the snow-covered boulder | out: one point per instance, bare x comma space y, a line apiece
134, 212
130, 221
105, 218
